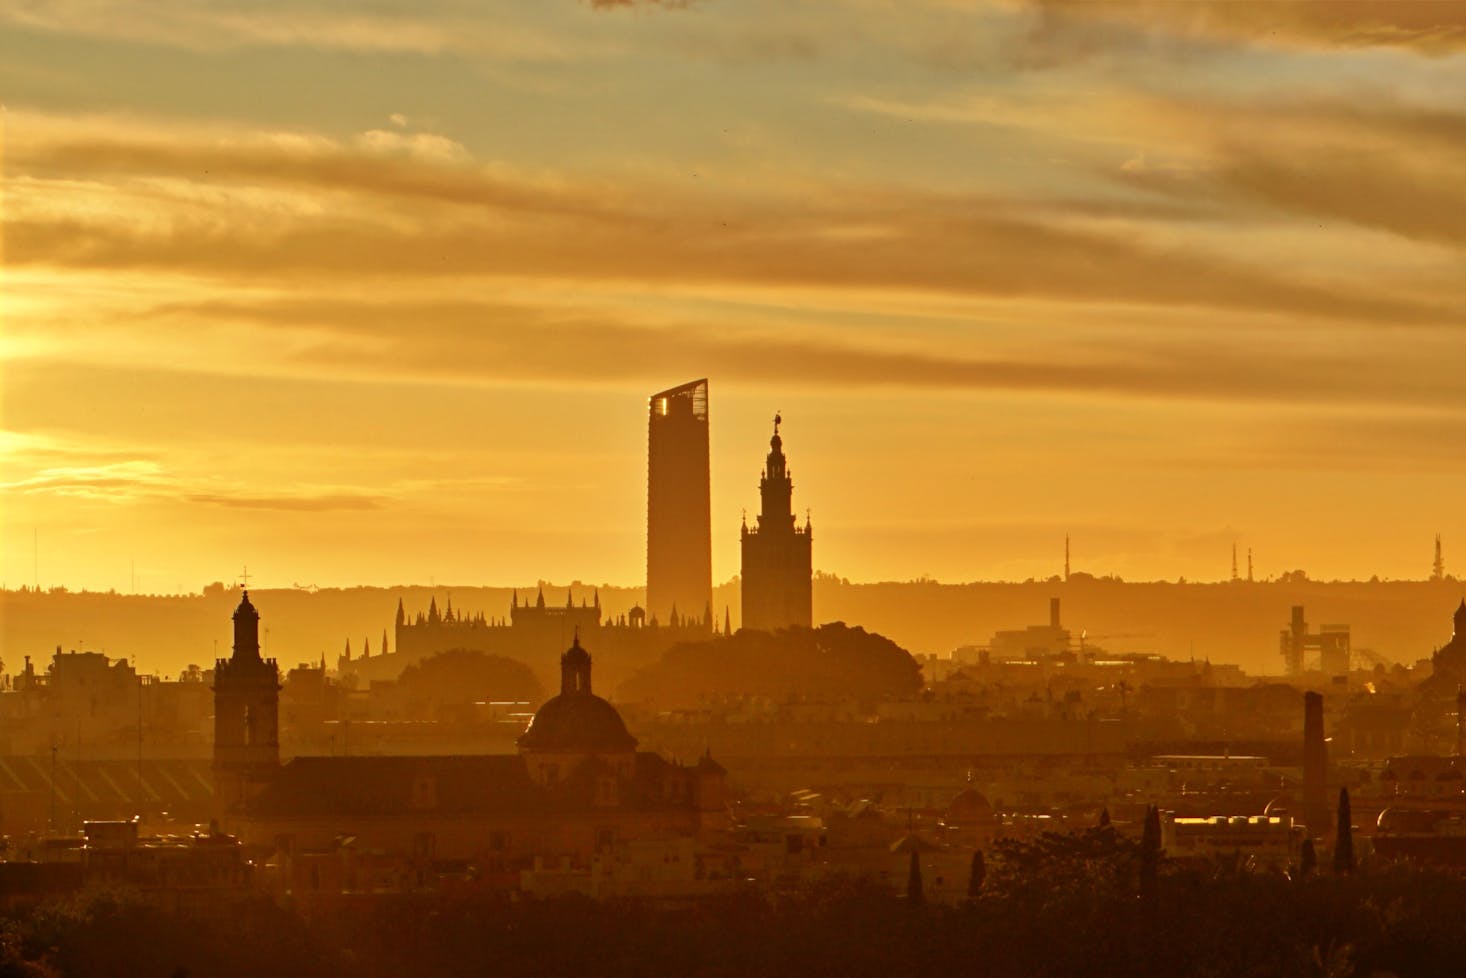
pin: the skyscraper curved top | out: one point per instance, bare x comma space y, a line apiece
679, 546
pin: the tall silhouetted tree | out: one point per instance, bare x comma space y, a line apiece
1104, 819
1307, 859
915, 892
1150, 857
976, 875
1344, 844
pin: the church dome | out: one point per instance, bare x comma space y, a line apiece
577, 720
970, 806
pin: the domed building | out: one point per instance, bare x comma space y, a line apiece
577, 794
576, 726
970, 819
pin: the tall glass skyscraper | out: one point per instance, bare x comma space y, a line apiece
679, 545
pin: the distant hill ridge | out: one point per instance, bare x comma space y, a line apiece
1401, 621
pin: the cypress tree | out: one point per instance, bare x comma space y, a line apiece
978, 873
915, 892
1307, 859
1344, 844
1150, 857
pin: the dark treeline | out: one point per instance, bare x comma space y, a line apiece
461, 677
1062, 906
830, 662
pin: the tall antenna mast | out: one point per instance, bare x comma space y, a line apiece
1438, 570
1066, 558
1234, 562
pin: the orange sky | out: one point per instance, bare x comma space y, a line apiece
377, 297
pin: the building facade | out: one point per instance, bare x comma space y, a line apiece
679, 542
777, 559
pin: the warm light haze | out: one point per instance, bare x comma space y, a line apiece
376, 294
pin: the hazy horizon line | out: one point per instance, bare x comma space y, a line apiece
1077, 577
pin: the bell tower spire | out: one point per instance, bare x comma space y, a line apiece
776, 487
777, 565
246, 631
246, 713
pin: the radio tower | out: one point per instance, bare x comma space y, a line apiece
1066, 557
1438, 569
1249, 563
1235, 578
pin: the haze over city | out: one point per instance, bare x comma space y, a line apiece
732, 487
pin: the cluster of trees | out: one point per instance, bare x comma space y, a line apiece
1081, 917
1096, 902
114, 933
831, 662
462, 676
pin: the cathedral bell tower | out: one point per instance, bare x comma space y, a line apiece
246, 713
777, 559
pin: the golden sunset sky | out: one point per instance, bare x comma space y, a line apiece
375, 292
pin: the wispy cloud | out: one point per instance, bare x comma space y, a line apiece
112, 481
473, 343
1433, 27
616, 4
92, 475
308, 503
1374, 164
403, 216
202, 25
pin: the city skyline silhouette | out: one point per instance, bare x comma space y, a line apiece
415, 419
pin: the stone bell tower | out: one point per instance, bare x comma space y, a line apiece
246, 713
